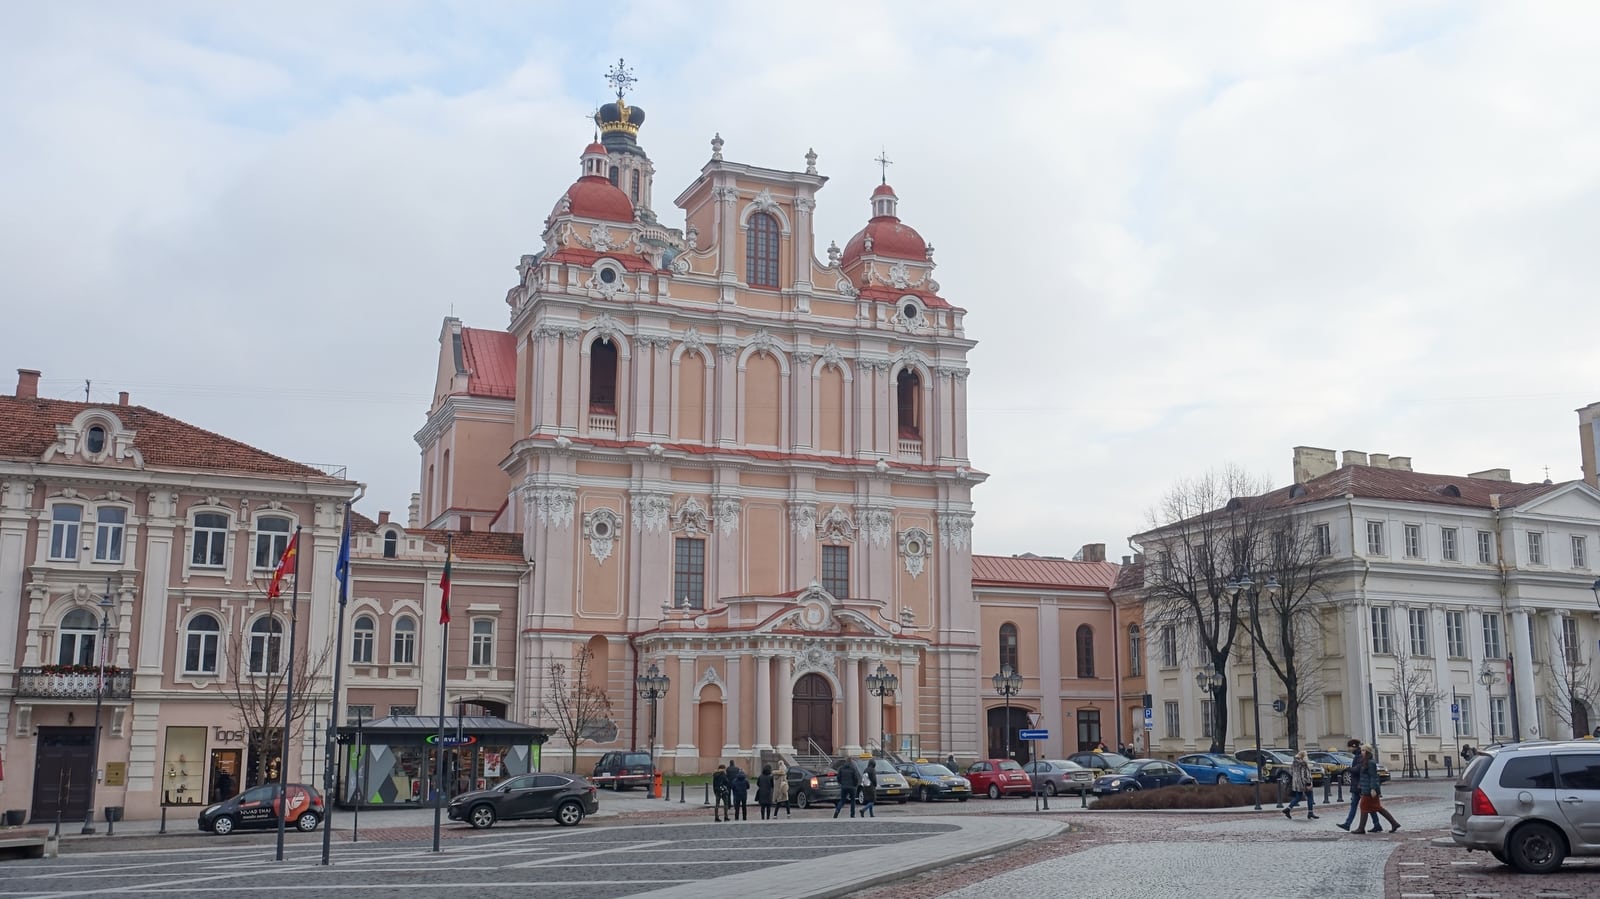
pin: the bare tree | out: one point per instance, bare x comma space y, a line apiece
1575, 685
1202, 536
257, 683
1416, 694
1285, 621
580, 709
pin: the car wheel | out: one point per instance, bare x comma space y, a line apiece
569, 813
1282, 777
1500, 856
962, 798
307, 822
482, 816
1536, 848
1050, 788
802, 801
1131, 788
994, 791
224, 825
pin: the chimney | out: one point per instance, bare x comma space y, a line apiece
1354, 457
1378, 460
1492, 474
1127, 560
383, 516
122, 397
1400, 463
27, 384
1313, 462
414, 511
1093, 552
466, 524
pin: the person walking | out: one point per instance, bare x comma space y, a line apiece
764, 793
869, 790
950, 762
780, 790
1352, 777
739, 783
1372, 794
1301, 783
723, 791
849, 780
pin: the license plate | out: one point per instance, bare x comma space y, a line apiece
892, 792
958, 789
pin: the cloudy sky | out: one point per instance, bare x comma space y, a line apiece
1188, 234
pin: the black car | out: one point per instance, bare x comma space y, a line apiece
258, 807
808, 787
621, 770
1101, 763
564, 797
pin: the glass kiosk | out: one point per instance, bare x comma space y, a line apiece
390, 762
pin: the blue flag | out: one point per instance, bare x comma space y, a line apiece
341, 569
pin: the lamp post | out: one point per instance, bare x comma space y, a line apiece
882, 684
1007, 683
1488, 678
652, 686
1211, 682
99, 700
1244, 587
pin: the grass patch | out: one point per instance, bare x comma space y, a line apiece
1190, 797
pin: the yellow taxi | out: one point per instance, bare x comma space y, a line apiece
931, 780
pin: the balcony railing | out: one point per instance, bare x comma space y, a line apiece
35, 683
910, 449
603, 423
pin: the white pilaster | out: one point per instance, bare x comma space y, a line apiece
785, 703
1526, 715
763, 702
850, 678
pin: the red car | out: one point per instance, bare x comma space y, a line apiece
999, 777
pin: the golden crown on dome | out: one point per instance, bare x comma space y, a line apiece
619, 116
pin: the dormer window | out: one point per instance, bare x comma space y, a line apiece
391, 545
94, 440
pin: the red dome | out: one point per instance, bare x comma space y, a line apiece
594, 197
595, 147
883, 190
890, 237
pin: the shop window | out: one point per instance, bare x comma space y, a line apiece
183, 767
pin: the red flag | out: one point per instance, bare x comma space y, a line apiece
444, 589
285, 566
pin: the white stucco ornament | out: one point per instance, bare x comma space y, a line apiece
600, 238
836, 527
600, 528
692, 519
915, 547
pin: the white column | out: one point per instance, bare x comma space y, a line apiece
785, 703
763, 702
1531, 728
731, 740
687, 719
1557, 668
850, 676
910, 722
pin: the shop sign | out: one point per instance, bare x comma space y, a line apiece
227, 736
116, 774
451, 740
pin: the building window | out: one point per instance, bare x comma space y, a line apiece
1569, 640
1427, 716
361, 640
1413, 535
1374, 538
836, 571
391, 545
200, 644
1455, 634
75, 638
1464, 716
94, 440
1388, 715
482, 642
357, 714
109, 524
1418, 619
1324, 539
1085, 651
1008, 647
405, 641
1173, 731
266, 646
761, 251
1447, 545
633, 186
272, 538
689, 573
1135, 651
603, 377
1492, 648
1498, 717
64, 522
908, 399
1208, 717
1169, 647
400, 711
1485, 548
1580, 551
1535, 548
613, 175
1381, 642
210, 540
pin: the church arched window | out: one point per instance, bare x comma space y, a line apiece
761, 251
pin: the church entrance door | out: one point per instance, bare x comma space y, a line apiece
813, 714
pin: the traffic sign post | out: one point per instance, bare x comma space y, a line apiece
1149, 719
1455, 711
1033, 735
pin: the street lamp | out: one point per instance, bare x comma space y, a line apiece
1007, 683
99, 700
1489, 678
1210, 682
1245, 587
652, 686
882, 684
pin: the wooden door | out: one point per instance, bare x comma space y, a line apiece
813, 714
63, 765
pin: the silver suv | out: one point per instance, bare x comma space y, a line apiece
1531, 805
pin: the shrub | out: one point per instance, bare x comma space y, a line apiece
1199, 796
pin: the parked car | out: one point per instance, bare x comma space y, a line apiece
258, 807
1099, 762
1054, 776
930, 781
565, 797
891, 783
1141, 774
1339, 767
808, 787
1531, 805
621, 770
999, 777
1276, 765
1216, 768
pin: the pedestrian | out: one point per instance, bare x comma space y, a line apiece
723, 792
1372, 794
869, 790
764, 793
739, 784
780, 790
849, 779
1300, 782
1352, 776
950, 762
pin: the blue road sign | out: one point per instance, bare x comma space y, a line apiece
1033, 735
1149, 719
1455, 711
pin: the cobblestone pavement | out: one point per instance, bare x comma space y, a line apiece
1421, 870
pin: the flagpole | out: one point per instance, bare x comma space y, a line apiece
288, 699
444, 675
341, 570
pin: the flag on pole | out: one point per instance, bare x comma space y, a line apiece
341, 569
444, 588
285, 566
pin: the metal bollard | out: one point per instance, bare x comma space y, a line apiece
1280, 792
1327, 791
708, 794
1339, 788
1426, 773
1258, 795
1083, 798
163, 820
682, 785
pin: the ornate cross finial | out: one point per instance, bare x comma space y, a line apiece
621, 77
884, 162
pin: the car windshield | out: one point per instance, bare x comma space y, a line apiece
884, 766
1129, 768
636, 758
1229, 760
1065, 765
1112, 759
1009, 765
933, 771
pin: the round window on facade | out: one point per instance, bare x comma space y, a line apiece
909, 310
95, 440
602, 529
608, 276
914, 548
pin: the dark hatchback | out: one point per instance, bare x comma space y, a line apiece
621, 770
564, 797
257, 807
808, 787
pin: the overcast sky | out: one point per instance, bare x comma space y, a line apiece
1187, 234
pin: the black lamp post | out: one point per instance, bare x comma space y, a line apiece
1489, 678
1210, 682
882, 684
652, 686
1007, 683
99, 700
1245, 587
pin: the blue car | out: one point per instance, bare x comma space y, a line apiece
1216, 768
1141, 774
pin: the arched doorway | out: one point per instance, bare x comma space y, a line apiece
813, 714
997, 733
1580, 719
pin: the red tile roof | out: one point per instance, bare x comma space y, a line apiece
1016, 571
580, 256
491, 361
1367, 482
486, 546
28, 430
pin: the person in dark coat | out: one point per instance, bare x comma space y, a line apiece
869, 790
1372, 795
723, 792
849, 782
764, 789
739, 782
